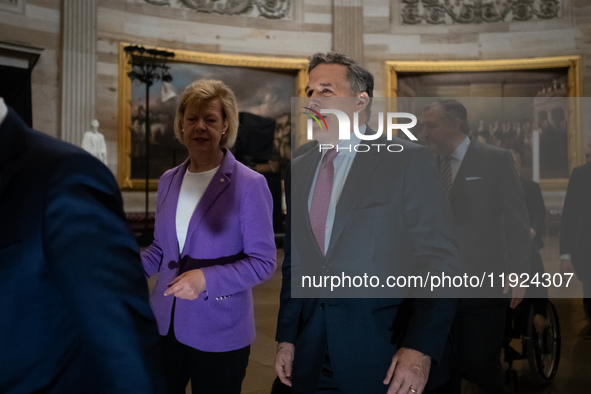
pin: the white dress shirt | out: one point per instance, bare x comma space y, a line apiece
458, 156
342, 164
192, 189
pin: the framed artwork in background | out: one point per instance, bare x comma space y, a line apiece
531, 106
263, 86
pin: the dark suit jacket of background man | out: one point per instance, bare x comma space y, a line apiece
490, 214
575, 226
492, 227
396, 203
75, 316
536, 210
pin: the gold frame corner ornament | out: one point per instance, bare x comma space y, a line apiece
124, 97
572, 63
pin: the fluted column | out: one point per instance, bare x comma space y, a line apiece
347, 28
78, 68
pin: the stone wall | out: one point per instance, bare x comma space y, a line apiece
378, 36
308, 31
39, 26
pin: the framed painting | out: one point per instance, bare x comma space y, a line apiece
528, 105
263, 86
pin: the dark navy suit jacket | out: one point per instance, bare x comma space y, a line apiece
394, 202
490, 214
74, 315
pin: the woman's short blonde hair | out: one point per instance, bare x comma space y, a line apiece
204, 91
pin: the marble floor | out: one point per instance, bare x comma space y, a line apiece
574, 372
260, 372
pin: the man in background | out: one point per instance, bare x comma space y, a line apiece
75, 316
348, 210
493, 232
536, 209
575, 232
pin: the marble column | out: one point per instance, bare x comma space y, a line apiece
78, 68
347, 28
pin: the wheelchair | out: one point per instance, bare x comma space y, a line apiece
541, 350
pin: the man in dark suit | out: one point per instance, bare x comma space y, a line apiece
381, 205
575, 232
536, 210
492, 226
75, 316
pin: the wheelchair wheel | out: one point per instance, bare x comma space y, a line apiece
543, 350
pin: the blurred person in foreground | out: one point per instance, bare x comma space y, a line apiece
75, 316
213, 242
492, 226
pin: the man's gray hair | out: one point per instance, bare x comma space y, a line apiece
360, 80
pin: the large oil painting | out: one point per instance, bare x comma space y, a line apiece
525, 105
263, 87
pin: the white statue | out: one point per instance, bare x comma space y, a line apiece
94, 142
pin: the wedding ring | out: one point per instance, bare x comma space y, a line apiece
413, 390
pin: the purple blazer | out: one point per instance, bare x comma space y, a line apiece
231, 236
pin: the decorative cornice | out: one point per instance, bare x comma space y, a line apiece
448, 12
270, 9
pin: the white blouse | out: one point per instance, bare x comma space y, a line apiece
192, 189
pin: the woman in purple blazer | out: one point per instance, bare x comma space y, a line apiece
213, 241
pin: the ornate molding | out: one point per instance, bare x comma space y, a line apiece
274, 9
17, 6
448, 12
270, 9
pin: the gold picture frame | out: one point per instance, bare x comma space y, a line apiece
126, 182
572, 64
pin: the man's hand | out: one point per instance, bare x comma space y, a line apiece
284, 362
532, 233
566, 267
187, 285
408, 372
517, 293
540, 322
